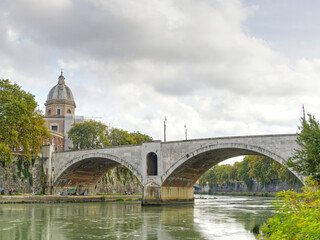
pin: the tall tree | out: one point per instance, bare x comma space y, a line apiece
22, 126
306, 158
89, 134
140, 137
119, 137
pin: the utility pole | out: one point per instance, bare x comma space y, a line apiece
304, 114
185, 131
164, 129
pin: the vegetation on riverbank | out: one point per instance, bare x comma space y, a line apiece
259, 168
297, 215
306, 159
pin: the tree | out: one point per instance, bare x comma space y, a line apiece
140, 138
89, 134
243, 172
209, 177
119, 137
306, 159
22, 126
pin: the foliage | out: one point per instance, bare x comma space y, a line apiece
89, 134
23, 169
22, 126
260, 168
120, 137
297, 215
93, 134
244, 172
121, 174
306, 159
209, 177
140, 138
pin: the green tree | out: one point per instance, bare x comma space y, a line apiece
140, 138
119, 137
263, 171
306, 159
243, 172
209, 177
22, 126
89, 134
297, 215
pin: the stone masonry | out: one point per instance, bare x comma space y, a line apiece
177, 165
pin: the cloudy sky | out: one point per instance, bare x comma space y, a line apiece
221, 67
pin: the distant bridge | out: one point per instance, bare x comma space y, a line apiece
166, 170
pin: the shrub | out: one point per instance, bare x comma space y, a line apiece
297, 215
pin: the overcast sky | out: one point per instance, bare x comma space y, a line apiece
221, 67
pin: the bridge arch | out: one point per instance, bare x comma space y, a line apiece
89, 168
190, 167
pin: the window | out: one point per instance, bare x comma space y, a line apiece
54, 128
58, 111
152, 164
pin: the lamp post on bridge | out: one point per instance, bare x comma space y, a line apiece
185, 131
164, 129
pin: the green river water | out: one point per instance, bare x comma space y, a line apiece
215, 217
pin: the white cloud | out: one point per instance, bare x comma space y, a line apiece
134, 62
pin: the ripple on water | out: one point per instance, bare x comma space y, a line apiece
211, 218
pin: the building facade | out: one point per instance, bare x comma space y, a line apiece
60, 114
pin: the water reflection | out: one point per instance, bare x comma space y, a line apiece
219, 218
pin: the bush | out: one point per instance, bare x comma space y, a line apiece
297, 215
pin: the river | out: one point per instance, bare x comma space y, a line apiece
210, 217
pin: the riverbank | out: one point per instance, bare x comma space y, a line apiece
66, 199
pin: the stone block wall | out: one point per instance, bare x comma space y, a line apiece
9, 178
118, 187
257, 187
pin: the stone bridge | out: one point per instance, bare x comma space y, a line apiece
166, 170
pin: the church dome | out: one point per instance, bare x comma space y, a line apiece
61, 91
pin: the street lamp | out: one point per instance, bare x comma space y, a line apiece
164, 129
185, 131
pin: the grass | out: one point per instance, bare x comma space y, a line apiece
39, 194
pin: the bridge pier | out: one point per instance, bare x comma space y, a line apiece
46, 154
156, 195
